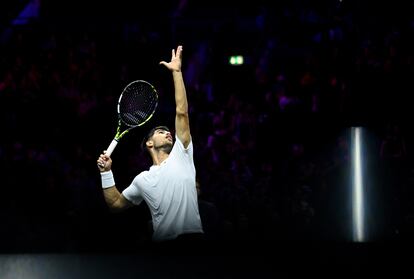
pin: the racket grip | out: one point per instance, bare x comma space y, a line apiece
111, 147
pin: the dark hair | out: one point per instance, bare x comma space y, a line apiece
150, 134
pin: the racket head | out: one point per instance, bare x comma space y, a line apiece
137, 103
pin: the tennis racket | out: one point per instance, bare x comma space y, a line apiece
136, 105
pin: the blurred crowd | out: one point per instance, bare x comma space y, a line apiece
272, 136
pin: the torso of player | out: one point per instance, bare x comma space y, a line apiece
169, 190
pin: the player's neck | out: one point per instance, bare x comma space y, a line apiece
159, 157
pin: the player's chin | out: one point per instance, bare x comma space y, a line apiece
168, 147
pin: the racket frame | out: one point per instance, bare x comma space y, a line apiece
120, 133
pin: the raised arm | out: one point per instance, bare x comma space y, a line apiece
113, 198
182, 122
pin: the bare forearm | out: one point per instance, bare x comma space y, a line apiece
180, 93
111, 196
115, 200
182, 122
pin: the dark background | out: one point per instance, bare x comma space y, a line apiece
272, 137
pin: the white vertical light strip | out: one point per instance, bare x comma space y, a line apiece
357, 189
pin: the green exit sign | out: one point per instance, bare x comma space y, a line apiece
236, 60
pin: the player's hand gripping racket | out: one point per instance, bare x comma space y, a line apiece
136, 105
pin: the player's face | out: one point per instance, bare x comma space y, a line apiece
162, 139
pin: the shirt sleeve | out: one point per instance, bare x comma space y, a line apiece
132, 193
180, 146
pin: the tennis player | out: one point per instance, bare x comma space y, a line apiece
169, 186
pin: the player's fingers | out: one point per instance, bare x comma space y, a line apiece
100, 163
105, 156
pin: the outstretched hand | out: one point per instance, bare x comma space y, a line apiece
175, 63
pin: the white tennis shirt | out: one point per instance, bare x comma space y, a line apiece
170, 192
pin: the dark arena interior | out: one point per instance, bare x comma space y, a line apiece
274, 135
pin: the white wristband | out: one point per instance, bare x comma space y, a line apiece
107, 179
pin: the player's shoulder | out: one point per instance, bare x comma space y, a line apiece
147, 174
142, 174
179, 144
139, 179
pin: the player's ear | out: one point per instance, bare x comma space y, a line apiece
149, 143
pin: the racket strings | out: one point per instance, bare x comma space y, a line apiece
138, 103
